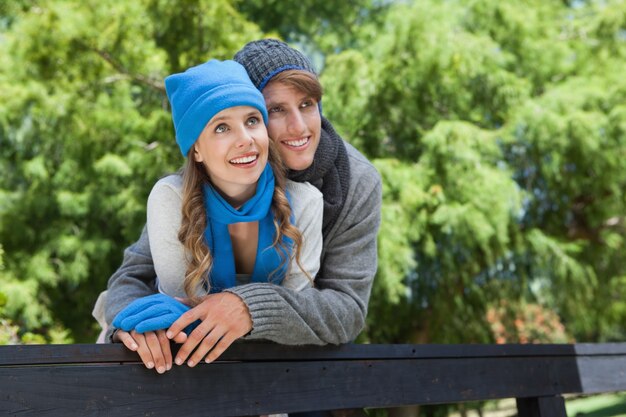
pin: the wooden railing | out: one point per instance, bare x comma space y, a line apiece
253, 379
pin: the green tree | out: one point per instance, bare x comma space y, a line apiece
84, 133
511, 113
319, 26
499, 129
449, 223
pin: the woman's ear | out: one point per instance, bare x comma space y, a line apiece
197, 156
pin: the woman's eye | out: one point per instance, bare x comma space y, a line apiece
252, 121
221, 128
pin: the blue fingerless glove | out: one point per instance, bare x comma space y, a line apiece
154, 312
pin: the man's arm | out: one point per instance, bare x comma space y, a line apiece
334, 311
135, 278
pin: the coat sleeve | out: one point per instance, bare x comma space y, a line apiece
135, 278
164, 217
334, 310
307, 204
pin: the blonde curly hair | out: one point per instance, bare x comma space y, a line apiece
194, 223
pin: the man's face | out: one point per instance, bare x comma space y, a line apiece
294, 124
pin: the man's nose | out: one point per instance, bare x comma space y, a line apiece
295, 124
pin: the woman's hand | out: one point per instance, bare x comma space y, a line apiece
225, 318
150, 313
153, 347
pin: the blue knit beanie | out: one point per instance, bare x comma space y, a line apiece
201, 92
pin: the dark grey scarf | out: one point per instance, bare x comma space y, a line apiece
330, 173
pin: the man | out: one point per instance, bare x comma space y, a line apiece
332, 312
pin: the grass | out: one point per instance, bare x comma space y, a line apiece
609, 405
605, 405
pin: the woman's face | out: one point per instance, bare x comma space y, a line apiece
233, 148
294, 124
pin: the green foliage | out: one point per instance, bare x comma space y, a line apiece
84, 133
456, 211
499, 129
530, 203
534, 33
327, 26
193, 31
451, 74
567, 150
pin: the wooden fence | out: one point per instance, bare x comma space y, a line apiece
253, 378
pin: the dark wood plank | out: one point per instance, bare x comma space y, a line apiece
255, 378
65, 354
602, 373
600, 349
249, 388
541, 407
90, 353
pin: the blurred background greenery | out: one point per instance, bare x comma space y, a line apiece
499, 128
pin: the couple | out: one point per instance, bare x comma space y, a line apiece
239, 237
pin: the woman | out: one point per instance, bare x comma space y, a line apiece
228, 178
227, 219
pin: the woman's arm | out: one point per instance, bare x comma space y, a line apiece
225, 317
164, 216
136, 277
335, 310
332, 312
307, 206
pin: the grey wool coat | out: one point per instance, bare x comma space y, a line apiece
332, 312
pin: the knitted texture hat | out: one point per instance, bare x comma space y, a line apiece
265, 58
201, 92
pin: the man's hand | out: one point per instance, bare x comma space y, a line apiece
225, 318
153, 347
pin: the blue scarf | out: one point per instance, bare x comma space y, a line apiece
220, 214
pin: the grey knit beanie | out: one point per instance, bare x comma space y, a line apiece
265, 58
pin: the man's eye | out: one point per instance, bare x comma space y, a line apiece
252, 121
274, 109
221, 128
307, 103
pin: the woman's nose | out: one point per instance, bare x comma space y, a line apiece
245, 139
